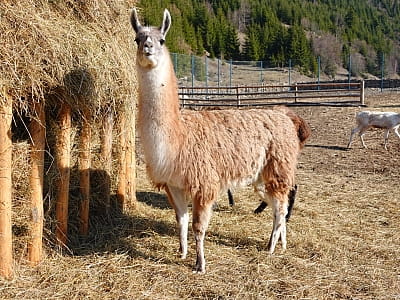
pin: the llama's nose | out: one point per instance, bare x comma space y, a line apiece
148, 46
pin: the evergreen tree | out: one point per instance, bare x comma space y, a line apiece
232, 44
252, 46
274, 29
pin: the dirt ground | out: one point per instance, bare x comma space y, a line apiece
343, 237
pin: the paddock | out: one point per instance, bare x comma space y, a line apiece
343, 237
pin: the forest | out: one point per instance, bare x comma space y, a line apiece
276, 31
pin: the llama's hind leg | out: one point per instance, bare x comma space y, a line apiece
201, 218
179, 203
361, 134
279, 211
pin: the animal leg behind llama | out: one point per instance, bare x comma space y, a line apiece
197, 154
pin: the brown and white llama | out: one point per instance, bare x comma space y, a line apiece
198, 154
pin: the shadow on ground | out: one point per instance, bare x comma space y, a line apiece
339, 148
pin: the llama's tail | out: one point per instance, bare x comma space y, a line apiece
302, 127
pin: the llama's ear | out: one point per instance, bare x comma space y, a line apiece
135, 20
166, 24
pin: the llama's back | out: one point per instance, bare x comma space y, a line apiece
302, 127
232, 148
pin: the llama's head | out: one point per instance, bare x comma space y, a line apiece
150, 40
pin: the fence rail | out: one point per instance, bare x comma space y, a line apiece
262, 95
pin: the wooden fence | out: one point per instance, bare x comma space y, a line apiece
262, 95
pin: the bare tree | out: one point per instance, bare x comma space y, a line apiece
328, 47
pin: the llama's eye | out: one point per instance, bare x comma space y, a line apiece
162, 41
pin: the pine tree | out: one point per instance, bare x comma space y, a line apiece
252, 46
231, 44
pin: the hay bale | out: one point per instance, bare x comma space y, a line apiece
82, 48
78, 52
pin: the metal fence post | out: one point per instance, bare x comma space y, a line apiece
218, 70
362, 99
290, 71
230, 73
382, 70
319, 70
206, 66
192, 65
349, 69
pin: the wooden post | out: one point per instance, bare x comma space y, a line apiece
84, 172
130, 160
63, 164
6, 258
106, 151
37, 129
121, 189
237, 96
362, 92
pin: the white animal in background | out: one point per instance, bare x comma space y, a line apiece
375, 119
197, 154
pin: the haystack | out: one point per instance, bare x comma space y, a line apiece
74, 53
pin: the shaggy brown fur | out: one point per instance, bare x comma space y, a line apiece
302, 127
199, 154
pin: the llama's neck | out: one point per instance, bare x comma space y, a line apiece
160, 125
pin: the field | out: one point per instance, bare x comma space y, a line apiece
343, 237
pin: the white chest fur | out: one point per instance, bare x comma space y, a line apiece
153, 126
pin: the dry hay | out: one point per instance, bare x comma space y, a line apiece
81, 50
343, 237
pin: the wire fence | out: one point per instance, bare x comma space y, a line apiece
194, 71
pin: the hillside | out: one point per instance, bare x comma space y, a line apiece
365, 32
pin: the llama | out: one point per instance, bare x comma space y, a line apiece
198, 154
375, 119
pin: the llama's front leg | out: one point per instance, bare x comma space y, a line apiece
201, 218
178, 201
279, 224
386, 137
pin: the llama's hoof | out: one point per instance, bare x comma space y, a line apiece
200, 267
181, 254
198, 270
